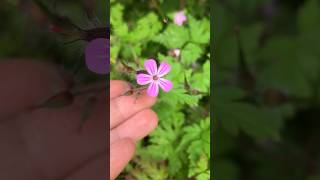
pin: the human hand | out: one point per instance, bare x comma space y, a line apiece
44, 143
131, 119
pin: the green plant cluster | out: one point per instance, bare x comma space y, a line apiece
179, 148
266, 93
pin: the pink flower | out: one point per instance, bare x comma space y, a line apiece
154, 77
180, 18
177, 52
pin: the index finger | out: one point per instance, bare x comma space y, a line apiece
124, 107
117, 88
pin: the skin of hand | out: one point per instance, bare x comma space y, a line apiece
45, 143
131, 119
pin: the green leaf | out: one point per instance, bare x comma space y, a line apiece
309, 16
223, 141
147, 169
114, 49
200, 169
176, 75
243, 116
119, 28
146, 28
198, 82
203, 175
199, 30
284, 54
191, 53
223, 94
225, 169
250, 40
196, 135
165, 137
225, 51
179, 96
173, 37
175, 164
315, 177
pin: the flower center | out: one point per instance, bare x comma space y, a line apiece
155, 78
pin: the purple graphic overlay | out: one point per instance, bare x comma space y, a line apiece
97, 55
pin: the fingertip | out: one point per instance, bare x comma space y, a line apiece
150, 119
137, 127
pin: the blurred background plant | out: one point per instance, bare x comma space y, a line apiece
55, 31
266, 93
180, 146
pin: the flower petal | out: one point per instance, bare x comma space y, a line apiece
151, 66
143, 79
165, 84
179, 18
164, 68
177, 52
153, 89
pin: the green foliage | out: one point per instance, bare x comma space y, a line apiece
267, 89
309, 15
179, 148
315, 177
190, 53
173, 37
199, 30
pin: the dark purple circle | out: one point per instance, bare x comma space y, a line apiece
97, 54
